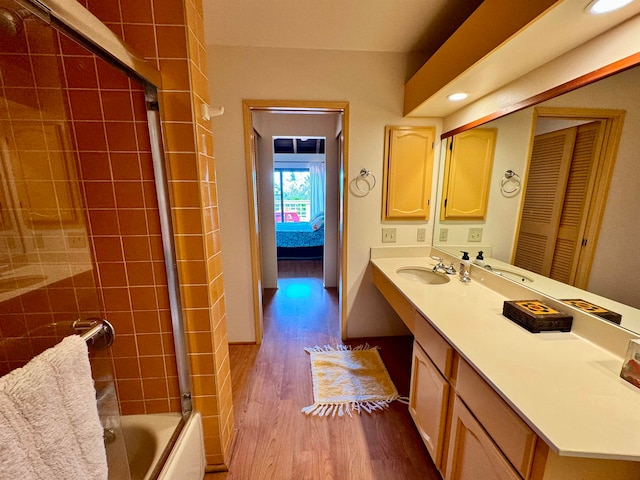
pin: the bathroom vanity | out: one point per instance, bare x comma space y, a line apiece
494, 401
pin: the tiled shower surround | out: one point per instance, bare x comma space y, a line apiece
104, 114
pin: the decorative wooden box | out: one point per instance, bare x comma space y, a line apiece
594, 309
536, 316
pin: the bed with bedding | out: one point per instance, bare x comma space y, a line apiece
299, 240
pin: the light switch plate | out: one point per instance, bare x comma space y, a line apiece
421, 235
475, 235
444, 234
388, 235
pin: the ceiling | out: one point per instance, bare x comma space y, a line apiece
359, 25
406, 26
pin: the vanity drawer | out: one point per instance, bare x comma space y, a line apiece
436, 347
514, 437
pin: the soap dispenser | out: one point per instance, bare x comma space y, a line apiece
479, 259
464, 264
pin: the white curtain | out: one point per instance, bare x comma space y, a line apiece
317, 179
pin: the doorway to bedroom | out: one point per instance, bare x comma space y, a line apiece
297, 178
314, 130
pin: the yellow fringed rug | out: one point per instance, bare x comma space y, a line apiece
347, 380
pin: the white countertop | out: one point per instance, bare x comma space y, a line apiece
556, 289
567, 388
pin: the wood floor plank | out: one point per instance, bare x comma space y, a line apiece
272, 382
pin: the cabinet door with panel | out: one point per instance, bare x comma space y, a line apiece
467, 176
408, 173
472, 455
428, 403
508, 431
45, 177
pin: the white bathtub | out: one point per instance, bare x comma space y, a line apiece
187, 458
146, 437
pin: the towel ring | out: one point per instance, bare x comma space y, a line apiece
364, 176
513, 179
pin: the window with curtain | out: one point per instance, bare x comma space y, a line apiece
292, 194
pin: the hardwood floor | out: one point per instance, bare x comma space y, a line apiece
272, 382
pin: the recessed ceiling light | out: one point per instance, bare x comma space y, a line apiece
604, 6
456, 97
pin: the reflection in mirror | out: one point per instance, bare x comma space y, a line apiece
46, 265
43, 227
603, 260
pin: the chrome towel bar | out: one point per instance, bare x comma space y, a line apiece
97, 332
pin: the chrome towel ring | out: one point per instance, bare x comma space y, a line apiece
510, 184
365, 178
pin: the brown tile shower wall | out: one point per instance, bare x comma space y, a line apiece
218, 403
104, 112
170, 34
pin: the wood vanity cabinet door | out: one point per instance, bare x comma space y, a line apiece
467, 175
408, 173
428, 403
472, 454
508, 431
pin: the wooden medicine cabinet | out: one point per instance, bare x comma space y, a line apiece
408, 172
468, 165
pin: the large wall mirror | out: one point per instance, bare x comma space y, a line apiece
607, 261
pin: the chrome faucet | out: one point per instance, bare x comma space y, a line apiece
441, 266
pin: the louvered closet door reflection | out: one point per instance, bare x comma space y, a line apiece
559, 189
576, 202
544, 197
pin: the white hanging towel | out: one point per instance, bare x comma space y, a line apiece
49, 424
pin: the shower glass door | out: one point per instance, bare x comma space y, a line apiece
47, 269
79, 222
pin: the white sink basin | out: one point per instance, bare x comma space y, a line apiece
512, 275
423, 275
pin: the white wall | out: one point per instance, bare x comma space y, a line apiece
264, 180
373, 84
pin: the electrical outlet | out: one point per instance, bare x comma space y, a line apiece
388, 235
422, 235
475, 235
444, 234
